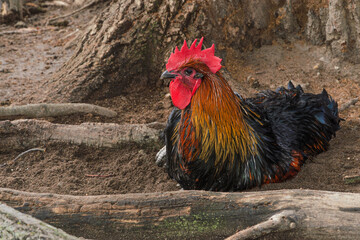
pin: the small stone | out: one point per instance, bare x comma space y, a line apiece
248, 78
167, 96
255, 83
317, 66
292, 225
336, 67
20, 24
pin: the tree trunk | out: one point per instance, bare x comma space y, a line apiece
307, 214
338, 25
130, 41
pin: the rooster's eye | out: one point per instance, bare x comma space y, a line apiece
188, 72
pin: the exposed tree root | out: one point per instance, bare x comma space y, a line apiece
27, 133
53, 110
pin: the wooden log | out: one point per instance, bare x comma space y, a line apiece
28, 133
15, 225
194, 214
53, 110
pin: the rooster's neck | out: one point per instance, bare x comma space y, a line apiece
217, 124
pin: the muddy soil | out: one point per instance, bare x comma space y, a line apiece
27, 59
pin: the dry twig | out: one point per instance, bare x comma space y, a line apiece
73, 13
30, 150
99, 175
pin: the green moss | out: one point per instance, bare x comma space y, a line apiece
197, 224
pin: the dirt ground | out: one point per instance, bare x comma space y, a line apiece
27, 59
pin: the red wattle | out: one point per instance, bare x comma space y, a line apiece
180, 94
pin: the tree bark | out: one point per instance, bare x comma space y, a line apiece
24, 134
195, 214
128, 44
337, 25
15, 225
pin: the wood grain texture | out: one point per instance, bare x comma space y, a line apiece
192, 214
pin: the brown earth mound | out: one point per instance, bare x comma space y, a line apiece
26, 59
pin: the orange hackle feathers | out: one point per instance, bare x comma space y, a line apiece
226, 132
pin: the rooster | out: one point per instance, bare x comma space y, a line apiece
216, 140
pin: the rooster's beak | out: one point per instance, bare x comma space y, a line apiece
167, 74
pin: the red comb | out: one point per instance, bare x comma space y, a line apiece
206, 56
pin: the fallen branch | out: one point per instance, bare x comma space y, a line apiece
73, 12
28, 133
309, 214
53, 110
16, 225
25, 30
283, 221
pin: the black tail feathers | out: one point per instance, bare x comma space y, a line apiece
329, 114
